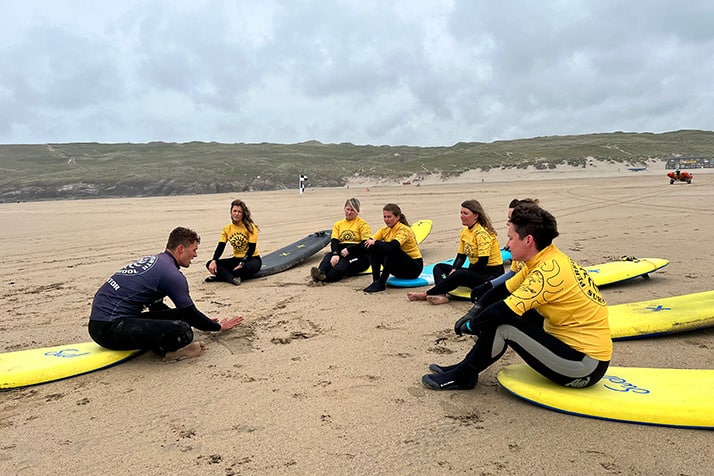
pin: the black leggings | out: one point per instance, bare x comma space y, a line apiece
159, 331
498, 328
447, 281
352, 265
225, 268
392, 261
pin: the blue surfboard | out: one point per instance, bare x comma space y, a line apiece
426, 278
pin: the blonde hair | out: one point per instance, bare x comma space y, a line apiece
353, 202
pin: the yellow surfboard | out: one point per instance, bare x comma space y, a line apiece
603, 274
35, 366
662, 316
653, 396
422, 228
624, 269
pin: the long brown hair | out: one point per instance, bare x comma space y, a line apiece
396, 211
247, 218
477, 209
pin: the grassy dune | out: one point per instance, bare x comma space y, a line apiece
80, 170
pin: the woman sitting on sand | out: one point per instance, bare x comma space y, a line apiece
393, 250
242, 234
478, 242
347, 256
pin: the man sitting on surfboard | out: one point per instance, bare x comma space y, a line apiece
118, 320
572, 347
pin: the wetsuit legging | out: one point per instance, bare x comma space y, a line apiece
498, 328
470, 277
225, 268
390, 257
160, 329
356, 261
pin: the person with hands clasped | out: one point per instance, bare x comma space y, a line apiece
242, 234
478, 291
393, 250
572, 347
478, 244
347, 256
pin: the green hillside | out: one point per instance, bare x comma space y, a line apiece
78, 170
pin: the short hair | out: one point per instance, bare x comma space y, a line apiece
182, 236
531, 219
516, 201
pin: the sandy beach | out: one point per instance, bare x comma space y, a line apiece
325, 379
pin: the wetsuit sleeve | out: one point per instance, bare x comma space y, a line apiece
492, 313
195, 318
503, 278
220, 247
459, 261
498, 293
335, 246
393, 245
250, 251
480, 264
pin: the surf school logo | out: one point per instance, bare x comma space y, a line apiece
586, 284
238, 241
349, 235
139, 267
66, 353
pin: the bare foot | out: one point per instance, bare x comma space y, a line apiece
438, 299
416, 296
194, 349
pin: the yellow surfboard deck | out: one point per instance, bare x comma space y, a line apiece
603, 274
662, 316
653, 396
422, 228
624, 269
35, 366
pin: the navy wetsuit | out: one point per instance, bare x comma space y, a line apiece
128, 310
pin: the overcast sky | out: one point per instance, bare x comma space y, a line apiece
412, 72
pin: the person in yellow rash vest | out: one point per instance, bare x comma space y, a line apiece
478, 243
242, 234
347, 256
393, 250
572, 347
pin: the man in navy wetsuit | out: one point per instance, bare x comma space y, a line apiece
128, 311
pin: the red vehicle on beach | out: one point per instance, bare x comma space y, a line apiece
680, 176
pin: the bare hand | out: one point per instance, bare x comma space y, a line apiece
230, 322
